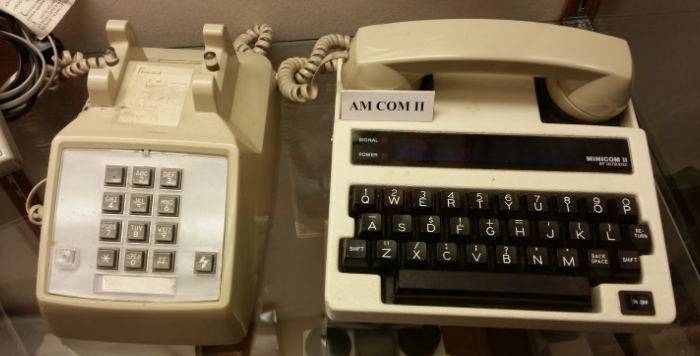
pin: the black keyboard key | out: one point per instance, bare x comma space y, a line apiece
549, 233
598, 264
628, 266
479, 204
640, 237
386, 254
597, 208
416, 255
508, 204
536, 204
364, 200
537, 259
459, 228
579, 234
567, 260
369, 226
518, 232
422, 202
489, 230
354, 255
446, 255
507, 259
394, 201
567, 205
401, 226
609, 234
466, 288
477, 257
450, 203
430, 227
624, 210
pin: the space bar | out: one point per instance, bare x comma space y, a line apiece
506, 290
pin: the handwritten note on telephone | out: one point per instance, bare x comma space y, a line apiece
155, 95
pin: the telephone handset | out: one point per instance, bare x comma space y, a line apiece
588, 75
154, 195
489, 215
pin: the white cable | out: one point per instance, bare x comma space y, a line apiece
258, 39
296, 77
36, 212
73, 66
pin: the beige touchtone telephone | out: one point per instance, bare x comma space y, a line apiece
527, 202
153, 193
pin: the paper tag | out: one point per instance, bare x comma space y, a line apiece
387, 105
155, 95
40, 16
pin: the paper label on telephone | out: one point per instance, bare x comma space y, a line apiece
387, 105
40, 16
156, 95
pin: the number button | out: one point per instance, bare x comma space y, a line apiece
166, 233
168, 205
566, 204
170, 178
479, 202
112, 203
393, 200
140, 204
421, 201
137, 232
450, 203
114, 176
134, 260
363, 200
110, 229
536, 203
596, 206
142, 177
508, 202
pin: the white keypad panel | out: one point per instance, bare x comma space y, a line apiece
139, 226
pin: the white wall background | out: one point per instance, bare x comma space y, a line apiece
178, 23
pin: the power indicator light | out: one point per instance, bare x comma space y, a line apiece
384, 155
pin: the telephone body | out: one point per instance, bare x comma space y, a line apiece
422, 229
156, 196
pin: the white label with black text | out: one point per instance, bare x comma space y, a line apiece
387, 105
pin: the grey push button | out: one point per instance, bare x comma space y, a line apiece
163, 261
170, 178
114, 176
142, 177
110, 229
107, 258
166, 233
112, 203
140, 204
204, 262
168, 205
137, 232
134, 260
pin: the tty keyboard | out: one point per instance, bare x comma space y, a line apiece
515, 250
